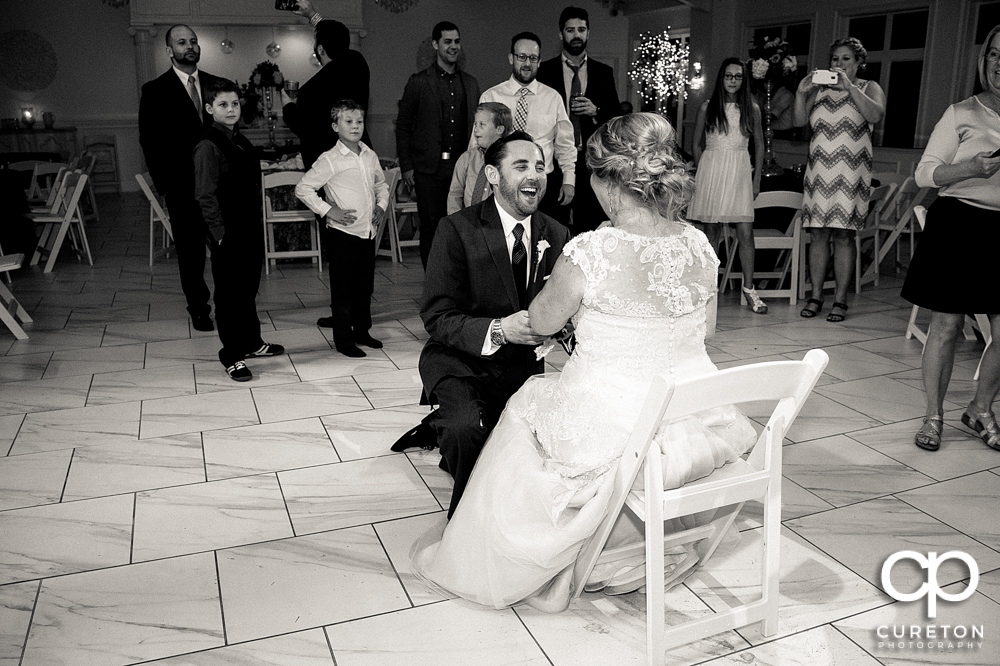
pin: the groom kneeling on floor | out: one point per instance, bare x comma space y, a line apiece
486, 264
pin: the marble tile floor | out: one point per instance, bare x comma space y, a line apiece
153, 511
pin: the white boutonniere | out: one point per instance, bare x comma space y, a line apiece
540, 249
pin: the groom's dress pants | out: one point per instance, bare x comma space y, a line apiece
467, 413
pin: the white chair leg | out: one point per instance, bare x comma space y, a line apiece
655, 597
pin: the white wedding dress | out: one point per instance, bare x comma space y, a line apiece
542, 483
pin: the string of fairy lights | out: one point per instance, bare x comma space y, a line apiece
660, 67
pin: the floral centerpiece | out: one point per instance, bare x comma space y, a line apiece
771, 60
256, 94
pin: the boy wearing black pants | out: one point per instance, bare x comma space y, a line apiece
227, 187
352, 180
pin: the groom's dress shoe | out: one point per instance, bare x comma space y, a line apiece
422, 436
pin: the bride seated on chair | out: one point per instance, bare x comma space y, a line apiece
640, 291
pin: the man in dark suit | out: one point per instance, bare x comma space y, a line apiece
588, 89
435, 121
487, 264
345, 75
172, 119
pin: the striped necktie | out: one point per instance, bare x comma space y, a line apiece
519, 262
193, 92
521, 110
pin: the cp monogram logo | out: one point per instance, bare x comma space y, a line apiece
930, 588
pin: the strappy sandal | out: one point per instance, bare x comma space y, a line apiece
837, 317
983, 424
754, 301
929, 436
809, 314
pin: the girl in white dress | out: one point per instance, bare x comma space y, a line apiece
725, 186
641, 292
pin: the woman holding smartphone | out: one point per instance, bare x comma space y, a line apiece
725, 185
841, 113
951, 273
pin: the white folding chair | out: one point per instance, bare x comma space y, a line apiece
43, 178
980, 322
724, 491
298, 216
899, 218
53, 199
88, 202
879, 207
772, 239
389, 221
400, 209
12, 313
157, 215
55, 227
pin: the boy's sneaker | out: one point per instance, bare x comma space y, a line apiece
367, 340
267, 349
239, 372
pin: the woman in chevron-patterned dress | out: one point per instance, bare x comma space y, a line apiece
838, 176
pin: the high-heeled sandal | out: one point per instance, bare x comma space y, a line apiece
809, 314
929, 436
983, 424
754, 301
837, 317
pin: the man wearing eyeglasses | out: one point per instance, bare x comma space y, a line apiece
587, 88
539, 110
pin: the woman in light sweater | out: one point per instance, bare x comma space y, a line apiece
950, 273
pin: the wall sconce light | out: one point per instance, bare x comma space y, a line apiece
28, 116
697, 81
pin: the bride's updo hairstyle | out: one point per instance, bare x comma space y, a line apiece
637, 154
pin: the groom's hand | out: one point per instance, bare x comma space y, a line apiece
517, 330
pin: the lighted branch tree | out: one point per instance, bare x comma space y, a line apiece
660, 68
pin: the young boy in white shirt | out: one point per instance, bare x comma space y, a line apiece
468, 182
353, 182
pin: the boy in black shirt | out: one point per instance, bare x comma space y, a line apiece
227, 187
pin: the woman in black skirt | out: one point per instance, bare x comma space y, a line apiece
950, 274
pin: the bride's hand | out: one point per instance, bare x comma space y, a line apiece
517, 330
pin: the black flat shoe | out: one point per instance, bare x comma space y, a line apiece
202, 323
351, 350
809, 314
367, 340
421, 435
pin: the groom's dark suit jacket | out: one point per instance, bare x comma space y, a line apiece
469, 282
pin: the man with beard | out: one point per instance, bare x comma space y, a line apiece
588, 90
487, 263
539, 111
345, 75
433, 127
172, 119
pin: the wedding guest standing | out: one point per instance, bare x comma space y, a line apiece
951, 273
839, 171
433, 128
725, 185
587, 88
172, 119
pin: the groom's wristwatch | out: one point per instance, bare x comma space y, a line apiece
496, 334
